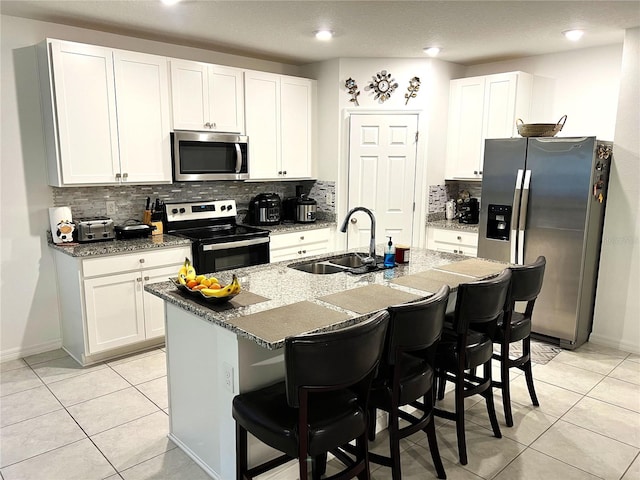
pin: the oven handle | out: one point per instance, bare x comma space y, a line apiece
238, 158
241, 243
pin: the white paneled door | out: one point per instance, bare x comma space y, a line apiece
382, 171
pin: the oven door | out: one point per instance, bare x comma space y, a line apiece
199, 156
214, 257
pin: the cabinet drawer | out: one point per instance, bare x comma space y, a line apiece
134, 261
304, 237
295, 253
456, 237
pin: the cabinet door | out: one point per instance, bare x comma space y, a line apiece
465, 135
262, 116
154, 306
499, 105
296, 126
115, 314
226, 99
142, 100
189, 95
86, 113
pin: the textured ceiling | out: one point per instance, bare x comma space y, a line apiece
470, 32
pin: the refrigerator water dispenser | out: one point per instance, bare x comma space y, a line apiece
499, 222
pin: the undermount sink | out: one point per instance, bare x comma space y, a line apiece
345, 262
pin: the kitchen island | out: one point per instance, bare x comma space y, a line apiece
217, 351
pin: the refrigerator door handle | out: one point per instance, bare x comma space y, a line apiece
522, 223
513, 247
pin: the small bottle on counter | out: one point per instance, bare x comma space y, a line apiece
390, 255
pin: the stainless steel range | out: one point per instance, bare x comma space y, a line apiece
218, 243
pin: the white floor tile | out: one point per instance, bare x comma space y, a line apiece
85, 387
45, 356
77, 461
156, 391
628, 370
37, 435
62, 368
633, 472
135, 442
618, 392
610, 420
586, 450
12, 365
589, 360
143, 369
566, 376
28, 404
18, 380
111, 410
555, 401
171, 465
533, 465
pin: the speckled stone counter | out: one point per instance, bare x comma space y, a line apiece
284, 286
452, 225
112, 247
297, 227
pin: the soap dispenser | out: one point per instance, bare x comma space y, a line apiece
390, 254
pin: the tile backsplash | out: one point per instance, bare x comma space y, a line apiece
86, 202
439, 194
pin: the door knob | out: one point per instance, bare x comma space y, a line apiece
354, 220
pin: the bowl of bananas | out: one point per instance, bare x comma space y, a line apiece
210, 289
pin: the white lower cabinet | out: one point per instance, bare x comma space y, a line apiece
106, 312
295, 245
452, 241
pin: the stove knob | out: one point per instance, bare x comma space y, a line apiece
229, 207
223, 208
182, 210
174, 210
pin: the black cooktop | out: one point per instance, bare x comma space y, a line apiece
222, 233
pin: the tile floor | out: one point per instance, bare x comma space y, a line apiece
109, 421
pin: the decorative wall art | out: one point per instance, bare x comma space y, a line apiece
414, 86
351, 85
383, 85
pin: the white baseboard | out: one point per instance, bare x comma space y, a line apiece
20, 352
616, 343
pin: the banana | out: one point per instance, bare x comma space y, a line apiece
235, 285
221, 292
184, 272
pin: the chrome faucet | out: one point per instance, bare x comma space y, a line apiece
371, 259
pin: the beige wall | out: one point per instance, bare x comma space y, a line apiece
617, 313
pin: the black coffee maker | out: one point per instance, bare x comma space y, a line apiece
468, 210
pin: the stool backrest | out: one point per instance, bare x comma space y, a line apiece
415, 326
334, 360
483, 301
526, 280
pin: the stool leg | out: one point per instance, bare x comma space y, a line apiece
372, 424
241, 452
430, 430
491, 408
504, 378
526, 349
459, 401
442, 383
394, 443
319, 466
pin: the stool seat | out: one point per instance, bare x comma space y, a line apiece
416, 377
520, 328
479, 349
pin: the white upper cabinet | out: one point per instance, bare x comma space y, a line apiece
206, 97
278, 115
106, 115
480, 108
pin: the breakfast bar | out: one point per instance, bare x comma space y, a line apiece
215, 351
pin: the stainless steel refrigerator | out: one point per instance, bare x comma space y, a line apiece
546, 196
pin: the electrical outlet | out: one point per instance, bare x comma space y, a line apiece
329, 198
227, 372
111, 207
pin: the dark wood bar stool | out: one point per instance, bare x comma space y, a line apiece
322, 404
407, 374
526, 283
479, 304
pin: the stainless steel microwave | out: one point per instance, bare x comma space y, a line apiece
202, 156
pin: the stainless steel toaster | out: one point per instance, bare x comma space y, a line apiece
94, 229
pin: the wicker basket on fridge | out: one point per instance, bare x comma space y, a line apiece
540, 129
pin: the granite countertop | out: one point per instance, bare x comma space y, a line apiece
283, 286
297, 227
452, 225
111, 247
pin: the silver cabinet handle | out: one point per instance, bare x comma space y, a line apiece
146, 279
142, 260
138, 279
459, 237
125, 175
118, 175
302, 237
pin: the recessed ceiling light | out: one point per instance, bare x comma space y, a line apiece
432, 51
170, 2
324, 35
573, 35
